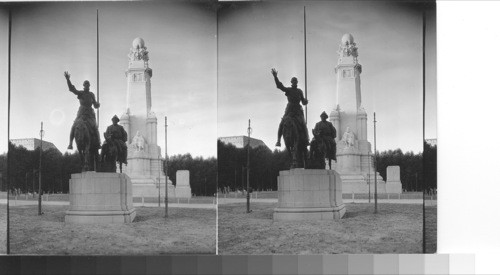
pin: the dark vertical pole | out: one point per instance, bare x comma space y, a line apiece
8, 131
97, 66
423, 135
40, 172
159, 181
375, 149
248, 168
369, 181
305, 58
166, 171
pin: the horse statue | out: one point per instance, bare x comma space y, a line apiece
296, 147
317, 153
88, 148
320, 151
110, 156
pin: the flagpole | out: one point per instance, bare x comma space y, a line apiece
305, 59
423, 134
98, 66
8, 131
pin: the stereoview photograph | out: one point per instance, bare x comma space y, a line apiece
321, 127
113, 128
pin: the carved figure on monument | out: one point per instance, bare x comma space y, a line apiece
138, 50
138, 142
114, 148
348, 138
293, 125
348, 47
323, 144
84, 129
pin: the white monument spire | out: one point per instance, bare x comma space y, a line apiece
348, 72
350, 119
144, 155
138, 79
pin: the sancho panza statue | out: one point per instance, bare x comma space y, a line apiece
323, 144
114, 148
84, 128
293, 125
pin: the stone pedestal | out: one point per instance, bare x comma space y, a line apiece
149, 189
309, 194
393, 184
182, 188
100, 198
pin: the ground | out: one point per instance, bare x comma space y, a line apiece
185, 231
431, 229
397, 228
3, 228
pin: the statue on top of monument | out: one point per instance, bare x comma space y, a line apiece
114, 148
323, 143
138, 50
293, 125
348, 138
347, 46
84, 128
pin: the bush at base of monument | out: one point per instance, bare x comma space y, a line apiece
309, 194
100, 198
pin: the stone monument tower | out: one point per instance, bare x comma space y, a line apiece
350, 119
144, 155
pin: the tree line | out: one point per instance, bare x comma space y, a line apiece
415, 169
227, 172
57, 169
202, 172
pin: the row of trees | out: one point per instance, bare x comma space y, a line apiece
265, 166
57, 169
24, 173
202, 173
415, 169
206, 175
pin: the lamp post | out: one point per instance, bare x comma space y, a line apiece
166, 171
369, 188
249, 131
375, 149
40, 172
159, 182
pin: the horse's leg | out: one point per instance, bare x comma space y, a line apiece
87, 156
82, 159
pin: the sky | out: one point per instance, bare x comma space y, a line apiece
50, 38
202, 103
4, 38
255, 37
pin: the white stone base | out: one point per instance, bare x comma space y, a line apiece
309, 194
149, 190
393, 187
100, 198
358, 184
183, 192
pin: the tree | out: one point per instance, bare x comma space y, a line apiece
202, 173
